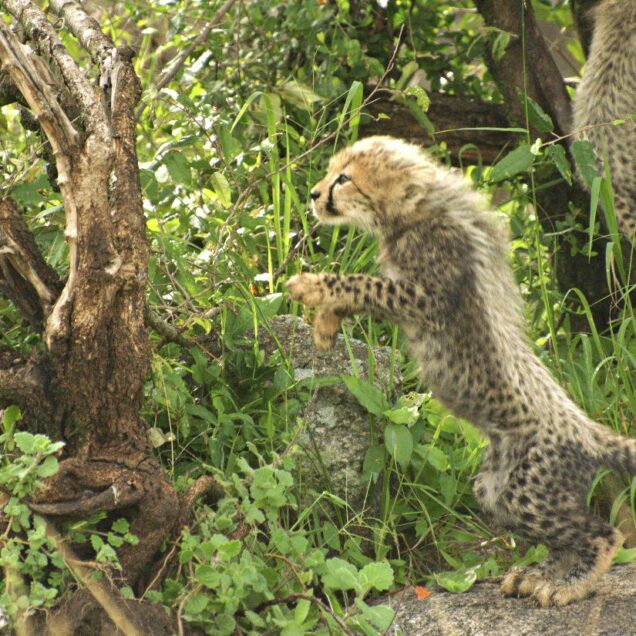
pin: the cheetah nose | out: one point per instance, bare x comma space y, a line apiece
314, 194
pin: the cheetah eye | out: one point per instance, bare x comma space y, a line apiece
343, 178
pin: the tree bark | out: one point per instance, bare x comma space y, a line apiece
87, 389
528, 68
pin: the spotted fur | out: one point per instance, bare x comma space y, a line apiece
607, 94
445, 281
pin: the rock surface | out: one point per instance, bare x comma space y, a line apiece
336, 435
483, 611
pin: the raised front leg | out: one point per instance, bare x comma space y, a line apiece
341, 295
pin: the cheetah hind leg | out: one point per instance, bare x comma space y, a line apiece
580, 581
523, 581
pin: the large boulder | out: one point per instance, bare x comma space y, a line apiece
483, 611
336, 434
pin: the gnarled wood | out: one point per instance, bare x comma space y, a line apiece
98, 349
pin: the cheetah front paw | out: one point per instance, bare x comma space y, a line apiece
326, 327
309, 289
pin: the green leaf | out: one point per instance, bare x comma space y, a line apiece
178, 167
399, 442
301, 611
434, 456
421, 98
222, 189
340, 575
10, 416
407, 72
48, 467
374, 459
403, 415
557, 153
456, 582
500, 44
367, 394
298, 94
625, 555
207, 575
380, 615
519, 160
25, 442
196, 604
585, 161
378, 576
538, 118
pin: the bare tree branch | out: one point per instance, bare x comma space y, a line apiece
34, 81
42, 34
25, 277
472, 130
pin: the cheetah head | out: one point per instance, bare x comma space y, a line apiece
377, 182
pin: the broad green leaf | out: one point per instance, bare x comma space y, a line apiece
403, 415
367, 394
585, 160
378, 576
301, 611
10, 416
421, 98
407, 72
538, 118
178, 167
196, 604
625, 555
380, 615
519, 160
433, 455
456, 581
341, 575
557, 153
48, 467
298, 94
207, 575
399, 442
500, 44
222, 189
374, 459
25, 442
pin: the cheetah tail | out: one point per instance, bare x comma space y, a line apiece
614, 450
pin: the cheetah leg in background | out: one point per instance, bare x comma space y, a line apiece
341, 295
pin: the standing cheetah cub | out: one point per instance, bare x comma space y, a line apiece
607, 92
446, 283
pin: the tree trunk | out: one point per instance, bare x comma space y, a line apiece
87, 389
527, 68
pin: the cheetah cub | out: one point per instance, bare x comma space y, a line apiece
447, 284
607, 92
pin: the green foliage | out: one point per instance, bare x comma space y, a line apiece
26, 553
252, 571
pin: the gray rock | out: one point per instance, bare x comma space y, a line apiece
336, 434
483, 611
